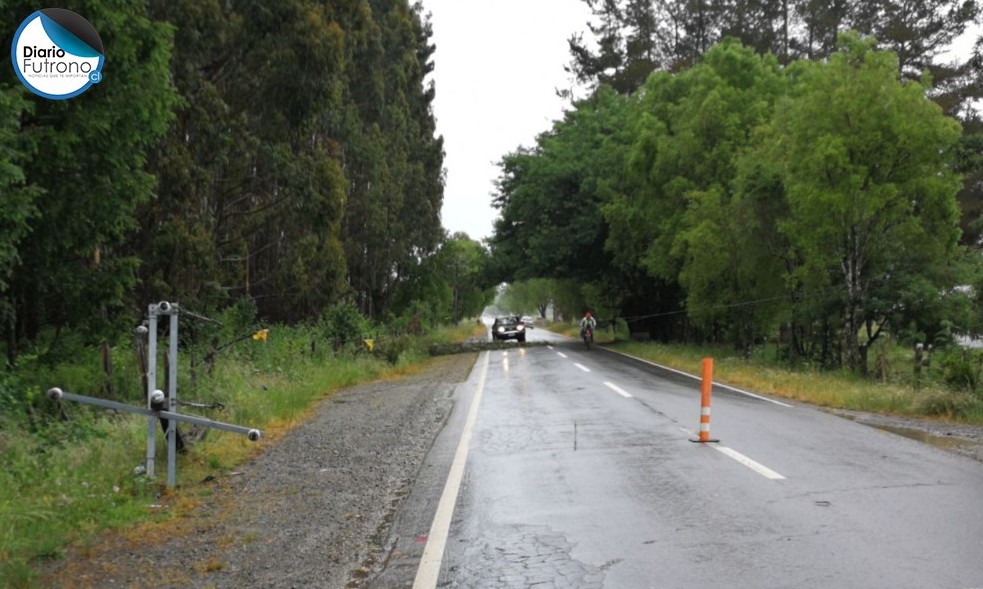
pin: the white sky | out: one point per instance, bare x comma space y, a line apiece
496, 67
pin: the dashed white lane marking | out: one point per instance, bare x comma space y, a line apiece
429, 571
730, 452
561, 354
693, 376
581, 366
755, 466
618, 390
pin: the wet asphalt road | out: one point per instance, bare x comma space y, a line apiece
581, 474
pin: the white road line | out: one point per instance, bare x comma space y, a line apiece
693, 376
755, 466
581, 366
618, 390
429, 571
561, 354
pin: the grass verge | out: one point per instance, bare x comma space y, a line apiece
835, 389
73, 477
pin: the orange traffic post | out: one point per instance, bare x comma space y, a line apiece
705, 391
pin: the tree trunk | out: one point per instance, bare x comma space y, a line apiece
11, 329
851, 349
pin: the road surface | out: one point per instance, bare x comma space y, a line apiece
567, 468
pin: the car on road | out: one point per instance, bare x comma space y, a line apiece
508, 327
528, 322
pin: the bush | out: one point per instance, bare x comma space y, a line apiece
961, 368
342, 326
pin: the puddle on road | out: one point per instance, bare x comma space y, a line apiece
944, 442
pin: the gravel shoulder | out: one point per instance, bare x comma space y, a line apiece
964, 439
312, 510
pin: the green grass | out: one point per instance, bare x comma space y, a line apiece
64, 482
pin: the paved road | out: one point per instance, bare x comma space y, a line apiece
580, 472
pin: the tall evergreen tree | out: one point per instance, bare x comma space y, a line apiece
87, 167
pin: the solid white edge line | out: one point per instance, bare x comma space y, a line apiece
428, 573
693, 376
618, 390
755, 466
581, 366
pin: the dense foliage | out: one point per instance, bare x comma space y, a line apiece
634, 37
739, 199
280, 152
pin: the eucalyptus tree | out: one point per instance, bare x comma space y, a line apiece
250, 184
80, 165
17, 198
632, 38
393, 158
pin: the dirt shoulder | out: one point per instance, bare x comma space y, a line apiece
310, 511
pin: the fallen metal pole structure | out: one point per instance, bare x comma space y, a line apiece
159, 406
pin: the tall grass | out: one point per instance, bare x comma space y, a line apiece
65, 477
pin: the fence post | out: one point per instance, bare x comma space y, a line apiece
705, 392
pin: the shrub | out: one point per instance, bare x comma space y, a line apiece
961, 368
342, 326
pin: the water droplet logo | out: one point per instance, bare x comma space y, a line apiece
57, 54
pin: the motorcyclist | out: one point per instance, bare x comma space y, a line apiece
586, 320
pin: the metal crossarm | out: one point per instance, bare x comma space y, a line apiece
56, 394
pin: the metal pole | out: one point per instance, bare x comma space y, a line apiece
151, 387
172, 398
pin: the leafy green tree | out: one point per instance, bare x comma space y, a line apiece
866, 163
549, 196
682, 222
451, 281
534, 295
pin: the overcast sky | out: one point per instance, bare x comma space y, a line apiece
496, 67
